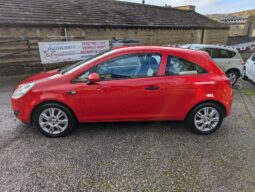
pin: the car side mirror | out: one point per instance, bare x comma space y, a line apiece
93, 78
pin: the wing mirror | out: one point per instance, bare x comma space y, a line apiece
93, 78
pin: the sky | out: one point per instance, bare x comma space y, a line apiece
206, 6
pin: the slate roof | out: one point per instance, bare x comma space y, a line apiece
240, 40
103, 13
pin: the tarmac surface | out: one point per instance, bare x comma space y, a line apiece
161, 156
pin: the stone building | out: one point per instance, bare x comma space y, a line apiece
238, 25
25, 22
250, 25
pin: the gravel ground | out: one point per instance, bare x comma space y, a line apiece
159, 156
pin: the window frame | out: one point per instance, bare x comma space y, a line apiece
121, 55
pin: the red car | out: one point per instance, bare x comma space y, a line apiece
142, 83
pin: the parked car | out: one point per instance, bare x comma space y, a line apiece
143, 83
228, 59
125, 42
249, 68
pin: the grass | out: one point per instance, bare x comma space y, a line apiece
249, 92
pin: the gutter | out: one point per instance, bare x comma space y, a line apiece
35, 24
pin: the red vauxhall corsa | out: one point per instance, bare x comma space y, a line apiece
143, 83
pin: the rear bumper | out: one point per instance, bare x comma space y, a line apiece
228, 102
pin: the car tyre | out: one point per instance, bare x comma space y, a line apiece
205, 118
54, 120
233, 76
246, 78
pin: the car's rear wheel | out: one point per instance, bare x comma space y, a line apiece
54, 120
233, 76
206, 118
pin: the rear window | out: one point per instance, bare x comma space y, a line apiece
209, 51
223, 54
179, 66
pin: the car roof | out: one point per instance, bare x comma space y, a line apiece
196, 56
156, 48
199, 46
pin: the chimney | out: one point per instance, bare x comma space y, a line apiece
143, 2
187, 8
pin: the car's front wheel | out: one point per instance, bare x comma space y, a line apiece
54, 120
206, 118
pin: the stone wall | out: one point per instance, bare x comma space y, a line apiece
215, 36
238, 29
19, 45
147, 36
252, 30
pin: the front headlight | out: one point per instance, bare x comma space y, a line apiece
22, 90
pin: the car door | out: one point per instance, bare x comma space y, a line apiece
129, 89
250, 68
182, 79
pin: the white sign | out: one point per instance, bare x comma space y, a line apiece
54, 52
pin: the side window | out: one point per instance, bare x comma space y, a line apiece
223, 54
178, 66
253, 58
87, 73
209, 51
130, 66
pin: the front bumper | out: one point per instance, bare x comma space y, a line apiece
242, 69
21, 111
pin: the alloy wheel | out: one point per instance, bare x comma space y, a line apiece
207, 119
53, 121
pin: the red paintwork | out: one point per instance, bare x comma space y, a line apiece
127, 100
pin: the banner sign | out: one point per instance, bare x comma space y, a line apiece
54, 52
250, 46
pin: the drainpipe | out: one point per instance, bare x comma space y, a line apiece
202, 36
66, 34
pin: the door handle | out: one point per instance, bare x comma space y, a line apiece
71, 92
103, 87
152, 88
